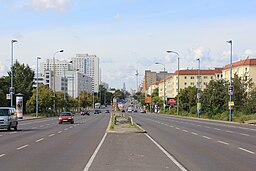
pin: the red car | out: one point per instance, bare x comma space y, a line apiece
66, 117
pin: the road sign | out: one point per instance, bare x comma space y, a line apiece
230, 90
12, 90
8, 96
231, 103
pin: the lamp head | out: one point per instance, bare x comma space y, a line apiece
229, 41
13, 41
61, 50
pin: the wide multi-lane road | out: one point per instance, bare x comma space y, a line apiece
43, 144
201, 144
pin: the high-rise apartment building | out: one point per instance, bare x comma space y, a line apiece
89, 65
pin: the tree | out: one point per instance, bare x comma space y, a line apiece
4, 84
23, 81
215, 97
187, 98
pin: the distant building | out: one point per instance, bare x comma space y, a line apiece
89, 65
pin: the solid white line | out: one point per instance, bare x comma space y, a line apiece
194, 133
88, 165
207, 137
51, 135
222, 142
248, 151
1, 155
167, 154
41, 139
24, 146
245, 134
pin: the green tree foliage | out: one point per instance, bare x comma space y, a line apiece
187, 98
23, 80
215, 97
4, 89
120, 95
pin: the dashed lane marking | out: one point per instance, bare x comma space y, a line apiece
207, 137
59, 132
184, 130
51, 135
24, 146
2, 155
222, 142
41, 139
217, 129
244, 134
194, 133
248, 151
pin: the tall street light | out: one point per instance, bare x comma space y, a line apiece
164, 81
170, 51
230, 88
12, 88
37, 85
198, 90
54, 75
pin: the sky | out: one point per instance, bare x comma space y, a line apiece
128, 34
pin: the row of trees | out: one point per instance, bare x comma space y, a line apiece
23, 83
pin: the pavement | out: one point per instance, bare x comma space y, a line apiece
130, 151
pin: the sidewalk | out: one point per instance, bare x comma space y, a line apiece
130, 152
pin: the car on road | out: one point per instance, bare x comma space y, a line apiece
84, 112
8, 118
97, 111
107, 111
123, 111
66, 117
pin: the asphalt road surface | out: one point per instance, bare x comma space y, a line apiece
43, 144
201, 144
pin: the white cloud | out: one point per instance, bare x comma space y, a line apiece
118, 17
249, 52
58, 5
201, 52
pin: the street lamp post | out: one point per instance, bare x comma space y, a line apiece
198, 90
12, 88
164, 82
231, 90
37, 85
54, 75
170, 51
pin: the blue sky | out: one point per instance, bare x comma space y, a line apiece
128, 34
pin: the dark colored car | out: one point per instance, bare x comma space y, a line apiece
97, 111
107, 111
122, 110
85, 112
66, 117
135, 111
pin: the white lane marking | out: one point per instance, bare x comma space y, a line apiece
222, 142
1, 155
177, 128
59, 132
207, 127
41, 126
34, 127
194, 133
71, 127
230, 132
47, 124
171, 126
217, 129
65, 129
166, 124
51, 135
88, 165
248, 151
24, 146
244, 134
13, 132
167, 154
41, 139
1, 135
184, 130
207, 137
199, 125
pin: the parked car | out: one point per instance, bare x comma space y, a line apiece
66, 117
8, 118
84, 112
107, 111
135, 111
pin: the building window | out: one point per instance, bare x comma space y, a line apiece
192, 77
205, 83
192, 83
245, 69
185, 77
211, 77
205, 77
185, 83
